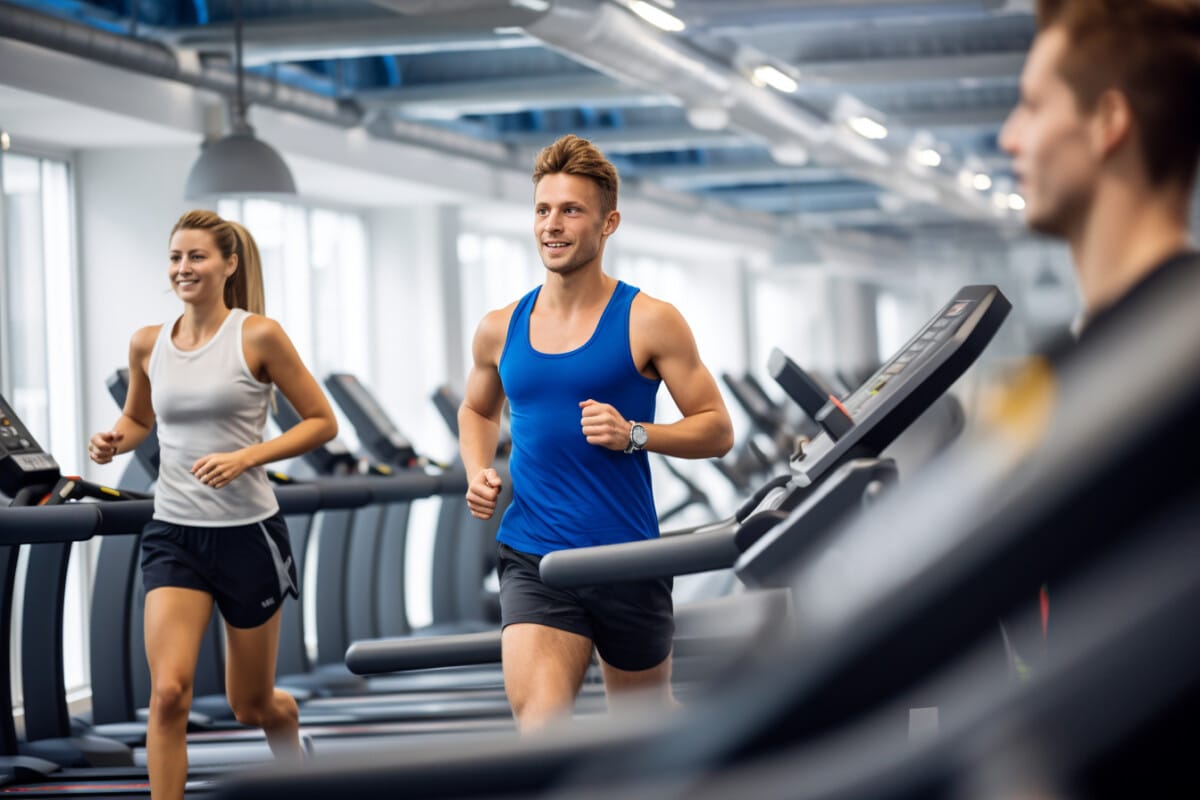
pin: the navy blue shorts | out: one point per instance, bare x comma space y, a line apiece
248, 569
632, 624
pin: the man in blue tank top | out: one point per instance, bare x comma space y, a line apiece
580, 360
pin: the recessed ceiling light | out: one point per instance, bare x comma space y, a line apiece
767, 75
928, 157
867, 128
656, 16
789, 154
708, 118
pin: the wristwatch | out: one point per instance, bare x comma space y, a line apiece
637, 438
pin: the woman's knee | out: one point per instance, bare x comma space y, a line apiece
251, 711
264, 711
171, 696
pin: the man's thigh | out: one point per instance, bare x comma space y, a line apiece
544, 661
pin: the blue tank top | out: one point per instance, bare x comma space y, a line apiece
566, 492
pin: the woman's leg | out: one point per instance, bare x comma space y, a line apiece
175, 623
250, 685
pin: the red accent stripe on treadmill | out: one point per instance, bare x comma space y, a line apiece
838, 403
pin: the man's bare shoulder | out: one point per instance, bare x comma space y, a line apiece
655, 316
491, 333
496, 321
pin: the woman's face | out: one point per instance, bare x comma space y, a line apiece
198, 271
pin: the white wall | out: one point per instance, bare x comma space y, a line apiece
409, 354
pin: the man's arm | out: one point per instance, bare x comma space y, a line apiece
479, 415
660, 331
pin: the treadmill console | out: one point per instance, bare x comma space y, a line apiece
926, 341
22, 461
375, 429
330, 458
875, 413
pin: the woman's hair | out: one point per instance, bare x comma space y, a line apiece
244, 288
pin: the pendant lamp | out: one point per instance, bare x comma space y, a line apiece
239, 163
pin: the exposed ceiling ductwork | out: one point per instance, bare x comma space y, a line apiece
606, 37
901, 99
151, 58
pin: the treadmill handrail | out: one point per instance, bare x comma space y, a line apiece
652, 558
38, 524
374, 656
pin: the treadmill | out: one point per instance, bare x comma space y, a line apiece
1075, 481
464, 547
846, 455
31, 477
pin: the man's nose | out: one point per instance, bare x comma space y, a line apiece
1007, 139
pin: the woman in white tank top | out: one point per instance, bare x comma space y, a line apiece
206, 378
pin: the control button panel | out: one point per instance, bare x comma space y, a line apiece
928, 339
22, 462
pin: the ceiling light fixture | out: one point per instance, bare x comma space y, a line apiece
1016, 202
981, 182
928, 157
239, 163
867, 128
708, 118
5, 141
656, 16
767, 75
790, 154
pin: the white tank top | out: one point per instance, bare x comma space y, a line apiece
207, 401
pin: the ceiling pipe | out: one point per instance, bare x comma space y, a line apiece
270, 41
507, 95
151, 58
607, 38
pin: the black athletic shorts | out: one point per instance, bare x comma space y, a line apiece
248, 569
632, 624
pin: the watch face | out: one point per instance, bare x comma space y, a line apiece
638, 435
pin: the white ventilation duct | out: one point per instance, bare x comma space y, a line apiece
607, 38
603, 35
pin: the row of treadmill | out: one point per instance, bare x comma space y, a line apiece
1012, 617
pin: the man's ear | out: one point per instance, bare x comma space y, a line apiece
1112, 121
611, 221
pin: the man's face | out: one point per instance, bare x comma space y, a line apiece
568, 223
1047, 136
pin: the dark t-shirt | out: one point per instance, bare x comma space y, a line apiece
1059, 348
1025, 637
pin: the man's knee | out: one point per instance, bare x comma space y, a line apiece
654, 680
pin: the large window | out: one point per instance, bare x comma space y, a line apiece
40, 357
315, 279
496, 270
39, 354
